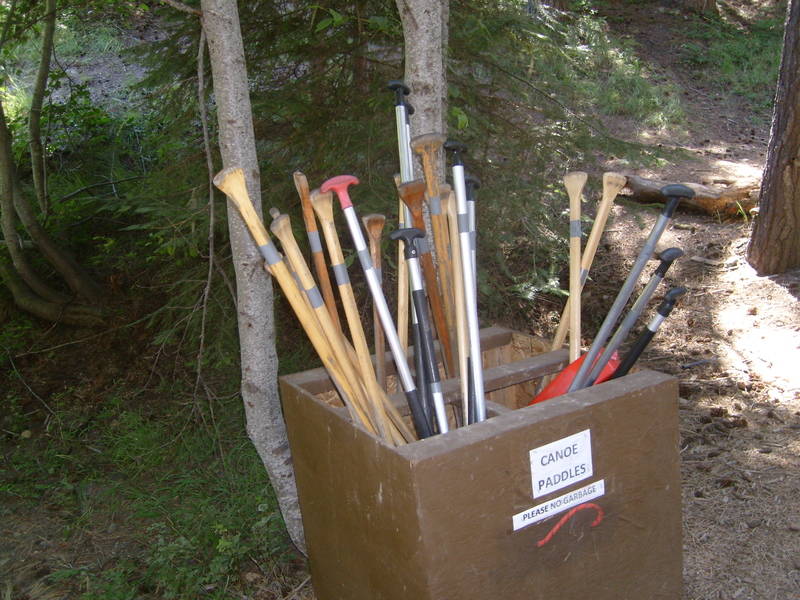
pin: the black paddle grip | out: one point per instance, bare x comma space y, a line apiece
408, 235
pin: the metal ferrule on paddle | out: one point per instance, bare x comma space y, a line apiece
472, 183
667, 257
409, 237
674, 194
339, 186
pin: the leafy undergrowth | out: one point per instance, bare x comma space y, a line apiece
116, 497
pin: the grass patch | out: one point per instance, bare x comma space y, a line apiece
190, 493
740, 61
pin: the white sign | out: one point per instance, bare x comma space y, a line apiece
559, 505
561, 463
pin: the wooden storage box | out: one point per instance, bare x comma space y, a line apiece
475, 513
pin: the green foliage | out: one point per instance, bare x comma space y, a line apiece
209, 505
534, 90
92, 152
526, 93
320, 105
741, 60
199, 492
77, 37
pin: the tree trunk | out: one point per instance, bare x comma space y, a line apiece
424, 33
265, 425
775, 242
734, 200
22, 267
75, 277
562, 5
37, 98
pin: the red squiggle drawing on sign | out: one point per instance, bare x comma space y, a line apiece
567, 517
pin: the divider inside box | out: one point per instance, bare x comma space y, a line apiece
513, 363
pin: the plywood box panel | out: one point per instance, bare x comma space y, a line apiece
435, 519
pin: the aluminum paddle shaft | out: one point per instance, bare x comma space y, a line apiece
339, 186
674, 194
662, 312
401, 112
468, 279
667, 257
409, 237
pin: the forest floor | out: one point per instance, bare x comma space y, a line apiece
733, 344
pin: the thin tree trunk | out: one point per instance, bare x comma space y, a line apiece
75, 277
775, 242
265, 424
37, 98
22, 266
562, 5
360, 66
10, 11
424, 27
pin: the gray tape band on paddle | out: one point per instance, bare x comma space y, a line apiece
436, 205
314, 241
270, 254
463, 223
365, 258
436, 387
584, 276
379, 273
422, 245
314, 297
575, 228
340, 273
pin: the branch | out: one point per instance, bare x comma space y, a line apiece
201, 95
183, 7
567, 110
7, 25
94, 185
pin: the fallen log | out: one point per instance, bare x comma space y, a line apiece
731, 200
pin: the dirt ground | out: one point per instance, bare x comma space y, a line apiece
733, 343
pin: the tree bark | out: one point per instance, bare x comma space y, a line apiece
37, 99
562, 5
425, 25
22, 267
265, 425
731, 201
75, 277
79, 315
775, 242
